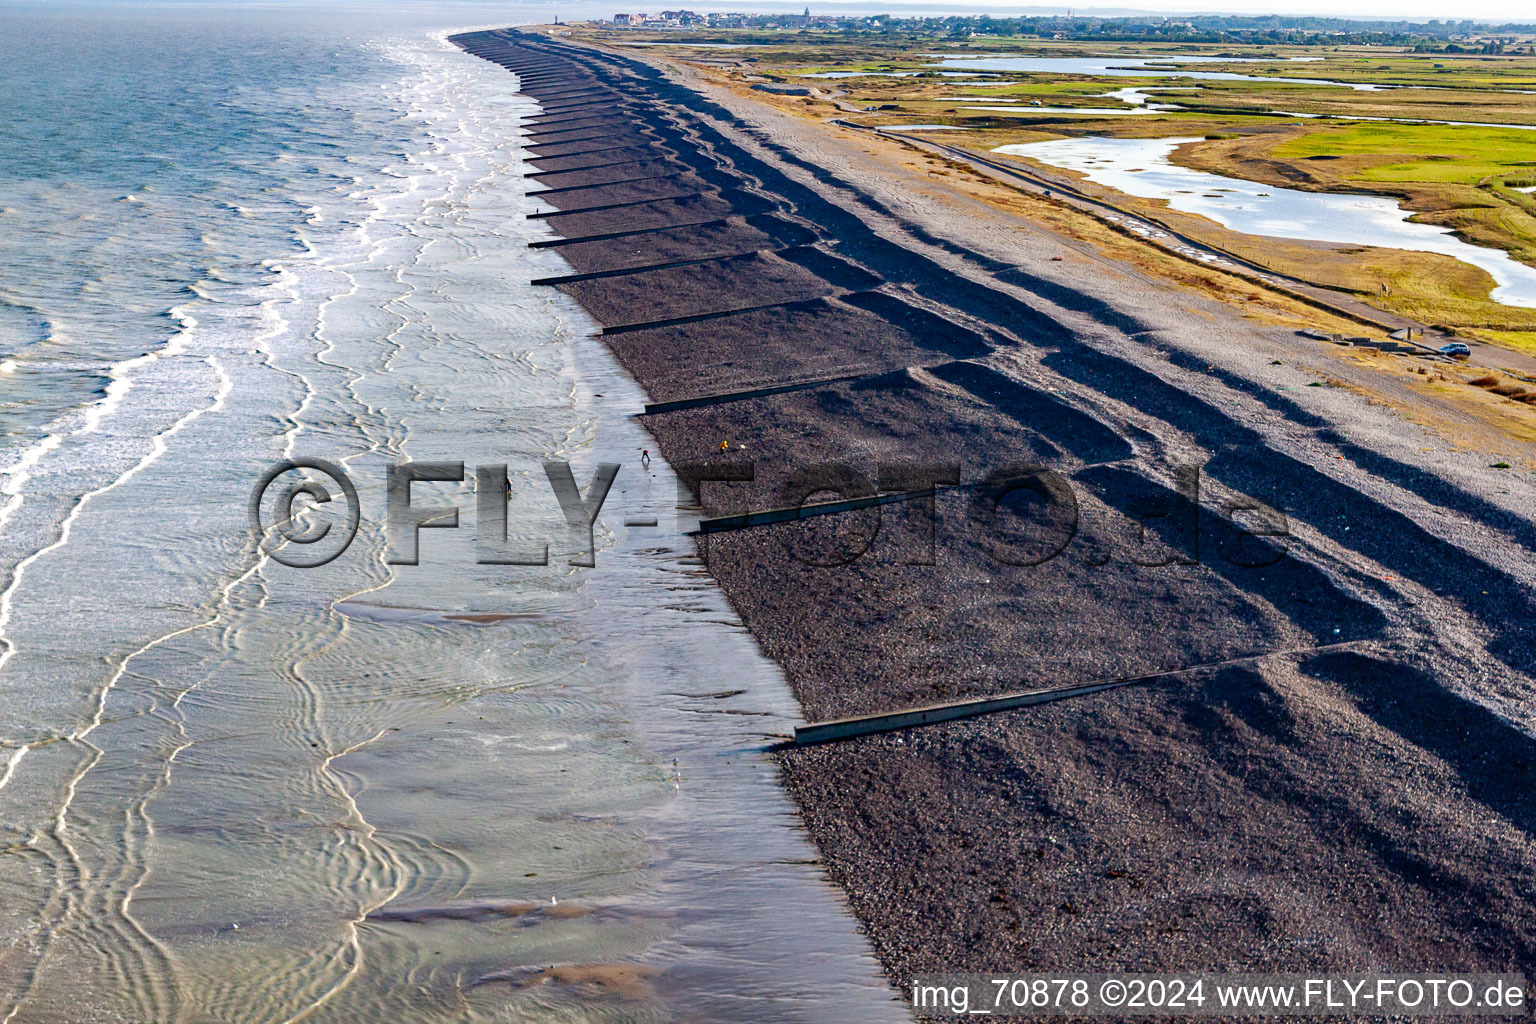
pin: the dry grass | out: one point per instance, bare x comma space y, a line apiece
1518, 341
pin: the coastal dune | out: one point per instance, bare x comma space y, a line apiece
1336, 776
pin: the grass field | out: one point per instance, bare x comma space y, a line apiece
1420, 153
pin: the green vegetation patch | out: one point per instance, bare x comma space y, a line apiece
1432, 153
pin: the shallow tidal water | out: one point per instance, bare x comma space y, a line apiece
1131, 66
1142, 167
234, 790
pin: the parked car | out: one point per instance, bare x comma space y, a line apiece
1455, 348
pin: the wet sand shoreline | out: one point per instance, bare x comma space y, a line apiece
1317, 809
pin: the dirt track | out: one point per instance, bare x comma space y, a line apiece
1342, 809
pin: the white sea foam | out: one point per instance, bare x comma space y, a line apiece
197, 738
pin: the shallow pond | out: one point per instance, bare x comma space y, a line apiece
1131, 67
1141, 167
1099, 111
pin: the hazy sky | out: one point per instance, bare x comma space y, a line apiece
1488, 10
523, 10
1482, 10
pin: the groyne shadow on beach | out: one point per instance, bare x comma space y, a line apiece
722, 264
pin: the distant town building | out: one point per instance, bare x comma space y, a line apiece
1450, 37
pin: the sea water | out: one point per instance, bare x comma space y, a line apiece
235, 790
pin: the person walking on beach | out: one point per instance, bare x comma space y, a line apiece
645, 457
